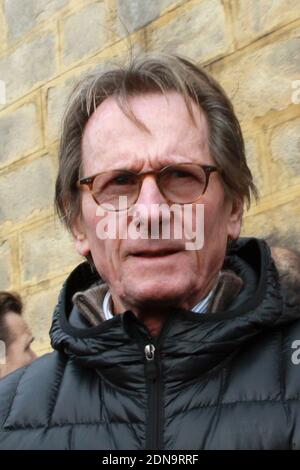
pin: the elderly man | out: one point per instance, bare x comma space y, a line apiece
159, 345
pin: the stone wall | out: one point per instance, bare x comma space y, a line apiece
251, 46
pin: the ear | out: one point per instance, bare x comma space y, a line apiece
82, 245
234, 222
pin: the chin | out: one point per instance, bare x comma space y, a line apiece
156, 291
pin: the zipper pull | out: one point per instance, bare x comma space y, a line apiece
149, 352
151, 370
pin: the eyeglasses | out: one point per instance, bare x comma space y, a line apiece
182, 183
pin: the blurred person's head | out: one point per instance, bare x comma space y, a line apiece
15, 334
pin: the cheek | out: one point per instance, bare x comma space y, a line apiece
216, 214
210, 258
104, 246
215, 219
91, 222
215, 230
89, 213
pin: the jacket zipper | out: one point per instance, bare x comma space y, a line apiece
154, 435
150, 348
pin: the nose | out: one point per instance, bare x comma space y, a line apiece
150, 193
148, 208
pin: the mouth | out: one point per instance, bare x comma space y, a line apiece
155, 254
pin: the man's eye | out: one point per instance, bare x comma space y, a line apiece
181, 174
123, 179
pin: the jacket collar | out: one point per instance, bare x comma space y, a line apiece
90, 303
191, 343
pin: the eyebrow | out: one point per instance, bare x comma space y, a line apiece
160, 165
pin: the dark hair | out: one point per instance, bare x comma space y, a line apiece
152, 73
9, 302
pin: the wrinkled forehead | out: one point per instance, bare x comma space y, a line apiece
158, 123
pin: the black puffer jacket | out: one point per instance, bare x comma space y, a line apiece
216, 381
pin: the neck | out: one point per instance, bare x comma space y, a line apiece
154, 314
